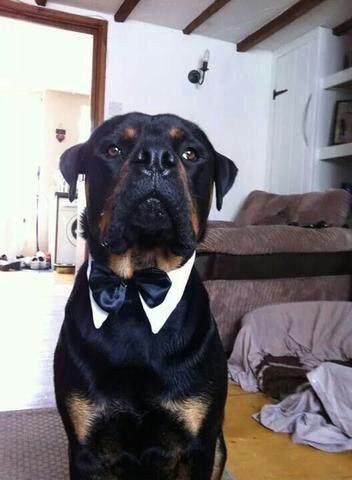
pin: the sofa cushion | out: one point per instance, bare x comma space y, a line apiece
263, 208
224, 237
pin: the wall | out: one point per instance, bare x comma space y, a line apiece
147, 71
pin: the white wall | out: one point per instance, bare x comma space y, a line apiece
147, 71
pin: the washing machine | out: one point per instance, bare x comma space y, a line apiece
66, 230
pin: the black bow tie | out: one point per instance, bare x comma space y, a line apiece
109, 290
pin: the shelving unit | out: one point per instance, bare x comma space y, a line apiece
336, 152
338, 80
339, 84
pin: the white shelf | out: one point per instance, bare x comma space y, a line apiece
336, 152
342, 79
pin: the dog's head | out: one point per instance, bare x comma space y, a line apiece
149, 184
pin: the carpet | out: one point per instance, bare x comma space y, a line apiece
33, 446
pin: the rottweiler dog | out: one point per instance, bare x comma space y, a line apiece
141, 394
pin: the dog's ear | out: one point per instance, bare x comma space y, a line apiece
225, 174
71, 165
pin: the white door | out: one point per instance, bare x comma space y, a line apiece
292, 134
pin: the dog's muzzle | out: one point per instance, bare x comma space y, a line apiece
153, 209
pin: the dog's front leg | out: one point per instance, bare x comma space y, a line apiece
75, 473
207, 461
82, 463
219, 458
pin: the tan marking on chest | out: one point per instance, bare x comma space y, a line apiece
191, 412
83, 414
122, 265
126, 264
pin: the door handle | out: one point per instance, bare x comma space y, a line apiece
277, 93
304, 120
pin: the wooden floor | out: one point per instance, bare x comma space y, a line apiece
255, 453
31, 313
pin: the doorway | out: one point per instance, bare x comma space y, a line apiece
51, 95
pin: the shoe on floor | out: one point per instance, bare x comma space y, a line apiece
34, 265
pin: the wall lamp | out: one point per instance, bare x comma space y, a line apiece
197, 76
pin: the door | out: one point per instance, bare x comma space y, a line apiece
292, 120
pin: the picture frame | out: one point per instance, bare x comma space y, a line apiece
342, 125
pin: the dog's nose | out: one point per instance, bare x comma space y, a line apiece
155, 159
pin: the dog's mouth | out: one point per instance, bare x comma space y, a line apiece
151, 221
152, 216
152, 208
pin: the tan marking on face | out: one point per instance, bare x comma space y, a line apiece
129, 133
176, 133
106, 214
219, 459
83, 414
195, 221
193, 210
105, 222
191, 412
122, 264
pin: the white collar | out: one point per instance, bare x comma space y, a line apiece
157, 316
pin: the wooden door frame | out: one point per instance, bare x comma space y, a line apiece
77, 23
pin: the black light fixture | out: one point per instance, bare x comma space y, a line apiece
197, 76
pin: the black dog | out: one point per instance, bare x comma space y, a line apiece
138, 405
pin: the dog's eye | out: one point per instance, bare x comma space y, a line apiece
190, 154
113, 151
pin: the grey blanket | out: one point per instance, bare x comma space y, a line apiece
320, 416
310, 333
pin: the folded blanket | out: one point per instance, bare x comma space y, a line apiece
281, 376
320, 416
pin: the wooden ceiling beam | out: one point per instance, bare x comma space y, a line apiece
288, 16
343, 28
125, 10
41, 3
203, 17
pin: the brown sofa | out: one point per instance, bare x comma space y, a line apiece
280, 248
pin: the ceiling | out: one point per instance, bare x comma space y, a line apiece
235, 21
